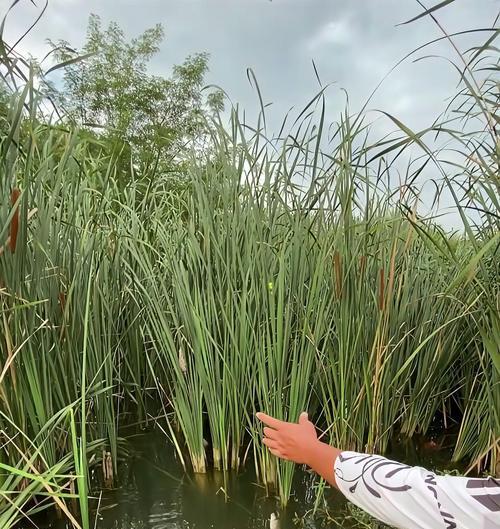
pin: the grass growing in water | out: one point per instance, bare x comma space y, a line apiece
285, 276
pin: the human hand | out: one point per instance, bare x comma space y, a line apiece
291, 441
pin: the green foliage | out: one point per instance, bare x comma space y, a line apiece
144, 117
284, 277
473, 181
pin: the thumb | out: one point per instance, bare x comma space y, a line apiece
303, 418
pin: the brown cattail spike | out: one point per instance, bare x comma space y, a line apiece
381, 292
362, 264
14, 223
62, 300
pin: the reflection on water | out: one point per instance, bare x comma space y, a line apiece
155, 494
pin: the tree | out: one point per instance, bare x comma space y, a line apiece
149, 117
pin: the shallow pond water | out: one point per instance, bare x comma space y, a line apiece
155, 493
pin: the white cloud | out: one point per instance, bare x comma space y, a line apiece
335, 32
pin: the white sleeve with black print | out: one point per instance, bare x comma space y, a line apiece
414, 498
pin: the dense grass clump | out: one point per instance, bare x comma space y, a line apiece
281, 276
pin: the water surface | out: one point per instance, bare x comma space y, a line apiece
155, 493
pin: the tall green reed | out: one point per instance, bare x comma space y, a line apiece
284, 275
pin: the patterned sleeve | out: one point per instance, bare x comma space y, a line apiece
414, 498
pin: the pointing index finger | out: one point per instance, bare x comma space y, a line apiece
269, 421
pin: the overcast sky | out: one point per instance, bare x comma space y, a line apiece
354, 43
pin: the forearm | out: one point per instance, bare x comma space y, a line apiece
397, 494
415, 498
322, 459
